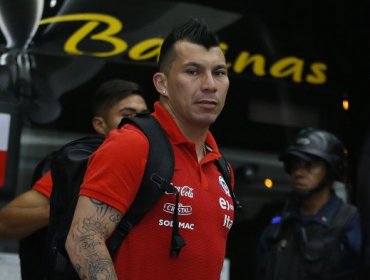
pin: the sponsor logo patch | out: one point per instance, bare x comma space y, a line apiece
184, 191
228, 222
225, 205
183, 210
168, 223
223, 185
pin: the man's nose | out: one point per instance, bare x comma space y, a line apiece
208, 82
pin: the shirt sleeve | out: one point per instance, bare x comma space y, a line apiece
44, 185
115, 170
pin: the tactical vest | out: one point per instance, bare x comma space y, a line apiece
310, 252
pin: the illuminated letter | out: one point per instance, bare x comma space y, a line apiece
318, 74
224, 47
288, 66
146, 49
244, 59
114, 26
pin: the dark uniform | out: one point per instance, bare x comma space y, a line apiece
324, 246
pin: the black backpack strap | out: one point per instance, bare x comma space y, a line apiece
156, 180
224, 168
41, 168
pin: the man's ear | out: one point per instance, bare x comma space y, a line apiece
99, 125
160, 83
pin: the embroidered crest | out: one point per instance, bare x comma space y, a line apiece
223, 185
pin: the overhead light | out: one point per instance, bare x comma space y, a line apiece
345, 104
53, 3
268, 183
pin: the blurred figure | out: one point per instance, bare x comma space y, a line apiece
317, 236
26, 217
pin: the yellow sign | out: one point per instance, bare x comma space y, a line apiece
287, 67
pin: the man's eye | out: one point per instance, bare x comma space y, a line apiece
192, 72
221, 73
128, 113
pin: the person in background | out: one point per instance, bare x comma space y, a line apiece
26, 217
192, 83
317, 236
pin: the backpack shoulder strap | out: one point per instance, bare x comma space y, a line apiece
158, 170
224, 168
41, 168
156, 180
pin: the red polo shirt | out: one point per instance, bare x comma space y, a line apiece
44, 185
206, 210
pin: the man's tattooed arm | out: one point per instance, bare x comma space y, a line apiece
92, 224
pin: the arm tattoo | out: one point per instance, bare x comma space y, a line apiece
101, 207
97, 268
91, 233
115, 218
104, 209
88, 230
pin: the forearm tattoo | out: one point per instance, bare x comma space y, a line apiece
100, 267
90, 234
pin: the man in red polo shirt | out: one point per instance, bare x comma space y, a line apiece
192, 83
29, 212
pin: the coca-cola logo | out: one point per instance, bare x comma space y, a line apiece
185, 191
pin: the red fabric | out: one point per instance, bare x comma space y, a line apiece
3, 155
205, 209
44, 185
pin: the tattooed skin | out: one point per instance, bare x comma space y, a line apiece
87, 231
98, 267
89, 235
104, 209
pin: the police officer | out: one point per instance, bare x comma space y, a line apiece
317, 236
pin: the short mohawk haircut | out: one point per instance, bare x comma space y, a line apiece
194, 31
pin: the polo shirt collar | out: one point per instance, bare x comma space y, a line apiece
173, 131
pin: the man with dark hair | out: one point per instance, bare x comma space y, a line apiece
317, 236
29, 212
114, 100
192, 83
